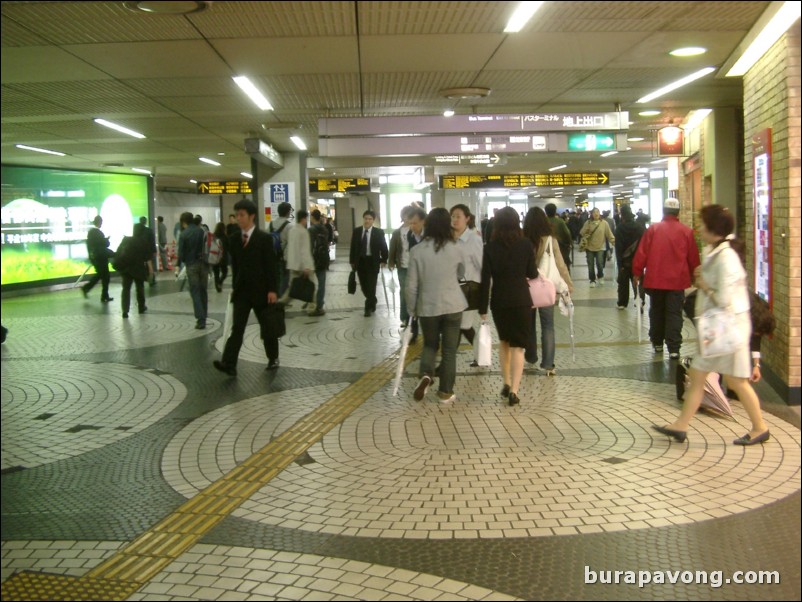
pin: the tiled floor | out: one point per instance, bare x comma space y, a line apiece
134, 470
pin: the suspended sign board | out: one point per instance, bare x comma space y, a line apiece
229, 187
339, 184
459, 182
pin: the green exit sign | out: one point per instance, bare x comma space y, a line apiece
591, 142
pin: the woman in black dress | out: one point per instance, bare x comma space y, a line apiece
508, 261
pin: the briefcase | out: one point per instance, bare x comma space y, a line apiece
302, 289
352, 282
271, 320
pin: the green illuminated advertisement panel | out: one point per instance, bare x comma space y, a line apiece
46, 214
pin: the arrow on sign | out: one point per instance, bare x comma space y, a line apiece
604, 178
203, 187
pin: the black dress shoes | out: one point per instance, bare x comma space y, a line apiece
678, 436
513, 399
505, 391
230, 370
747, 440
272, 365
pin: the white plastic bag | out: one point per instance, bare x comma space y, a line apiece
228, 323
483, 347
719, 333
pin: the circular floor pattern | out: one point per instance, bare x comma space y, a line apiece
59, 409
60, 336
334, 342
572, 458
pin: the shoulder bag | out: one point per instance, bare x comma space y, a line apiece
583, 242
548, 269
542, 291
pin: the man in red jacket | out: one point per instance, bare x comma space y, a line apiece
669, 255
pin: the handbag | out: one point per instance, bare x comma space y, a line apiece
542, 291
228, 323
719, 333
483, 347
548, 268
352, 282
302, 289
271, 321
471, 290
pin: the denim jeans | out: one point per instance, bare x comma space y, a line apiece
402, 282
599, 258
433, 327
321, 288
198, 278
547, 340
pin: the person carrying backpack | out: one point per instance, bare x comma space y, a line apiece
279, 230
319, 236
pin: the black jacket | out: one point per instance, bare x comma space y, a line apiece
254, 268
378, 247
508, 268
626, 234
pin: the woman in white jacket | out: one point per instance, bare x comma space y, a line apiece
722, 283
298, 256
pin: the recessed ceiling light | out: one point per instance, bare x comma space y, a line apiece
39, 150
556, 167
465, 93
247, 86
297, 141
209, 161
246, 174
166, 8
521, 16
119, 128
650, 113
688, 51
609, 153
448, 113
677, 84
636, 139
785, 17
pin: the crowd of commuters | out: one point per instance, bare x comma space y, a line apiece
451, 272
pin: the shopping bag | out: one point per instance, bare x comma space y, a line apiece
483, 347
302, 289
542, 291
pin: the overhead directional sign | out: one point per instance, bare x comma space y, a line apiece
591, 142
339, 184
523, 180
229, 187
478, 159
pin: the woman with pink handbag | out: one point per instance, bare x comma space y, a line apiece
508, 261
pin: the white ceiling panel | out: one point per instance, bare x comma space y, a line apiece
459, 52
286, 56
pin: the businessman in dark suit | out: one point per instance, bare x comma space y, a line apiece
255, 286
368, 255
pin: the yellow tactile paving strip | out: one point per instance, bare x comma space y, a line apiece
133, 566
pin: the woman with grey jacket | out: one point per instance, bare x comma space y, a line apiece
433, 295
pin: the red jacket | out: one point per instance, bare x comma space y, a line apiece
668, 253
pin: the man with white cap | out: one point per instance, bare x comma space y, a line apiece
668, 254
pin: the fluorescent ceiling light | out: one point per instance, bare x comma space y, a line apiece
785, 17
246, 174
696, 118
119, 128
521, 16
298, 142
636, 177
321, 168
448, 113
688, 51
556, 167
194, 181
209, 161
649, 113
39, 150
636, 139
609, 153
141, 170
616, 186
677, 84
253, 93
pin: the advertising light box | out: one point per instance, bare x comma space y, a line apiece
46, 214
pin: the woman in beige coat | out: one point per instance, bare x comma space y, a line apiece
537, 229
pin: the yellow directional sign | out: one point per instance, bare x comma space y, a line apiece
339, 184
228, 187
524, 180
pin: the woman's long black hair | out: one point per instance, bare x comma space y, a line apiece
438, 227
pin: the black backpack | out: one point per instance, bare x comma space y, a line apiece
320, 248
123, 258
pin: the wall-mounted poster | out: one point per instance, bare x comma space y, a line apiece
46, 214
761, 172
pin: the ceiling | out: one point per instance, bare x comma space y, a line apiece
169, 76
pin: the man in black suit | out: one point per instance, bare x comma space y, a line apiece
255, 286
97, 245
368, 255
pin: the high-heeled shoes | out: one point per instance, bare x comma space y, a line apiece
514, 400
678, 436
747, 440
505, 391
